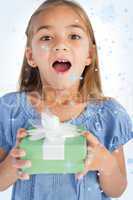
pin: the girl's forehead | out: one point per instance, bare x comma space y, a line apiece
60, 15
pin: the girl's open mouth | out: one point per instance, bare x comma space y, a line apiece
61, 66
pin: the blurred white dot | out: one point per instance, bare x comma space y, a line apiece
76, 20
89, 189
72, 103
98, 173
73, 77
116, 112
117, 151
81, 78
45, 48
100, 110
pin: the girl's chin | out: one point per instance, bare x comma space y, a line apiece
60, 89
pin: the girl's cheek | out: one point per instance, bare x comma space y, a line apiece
41, 47
44, 48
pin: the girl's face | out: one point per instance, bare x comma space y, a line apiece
59, 34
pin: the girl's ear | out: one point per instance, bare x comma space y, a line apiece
29, 57
89, 58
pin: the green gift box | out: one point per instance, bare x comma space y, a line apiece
66, 158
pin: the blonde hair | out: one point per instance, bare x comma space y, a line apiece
90, 86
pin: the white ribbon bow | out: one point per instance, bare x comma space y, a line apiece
52, 129
54, 133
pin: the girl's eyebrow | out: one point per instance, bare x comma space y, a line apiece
69, 26
76, 26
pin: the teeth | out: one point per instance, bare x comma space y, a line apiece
62, 60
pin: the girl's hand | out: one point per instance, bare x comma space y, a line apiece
97, 156
16, 154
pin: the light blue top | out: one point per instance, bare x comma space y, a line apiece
108, 121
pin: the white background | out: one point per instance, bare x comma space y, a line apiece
112, 24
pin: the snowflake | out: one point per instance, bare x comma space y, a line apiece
89, 189
45, 48
107, 13
69, 165
74, 77
130, 161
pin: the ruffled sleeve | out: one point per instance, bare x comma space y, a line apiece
10, 120
5, 132
14, 114
111, 124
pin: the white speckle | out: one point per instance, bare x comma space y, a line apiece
115, 111
26, 69
26, 80
73, 77
81, 78
96, 69
98, 173
130, 161
89, 189
69, 165
101, 191
45, 48
117, 151
72, 103
100, 110
76, 20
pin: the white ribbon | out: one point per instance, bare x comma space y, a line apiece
54, 133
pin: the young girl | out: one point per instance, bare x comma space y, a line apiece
60, 71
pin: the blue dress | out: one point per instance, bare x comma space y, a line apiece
108, 121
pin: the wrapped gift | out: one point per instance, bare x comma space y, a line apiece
54, 147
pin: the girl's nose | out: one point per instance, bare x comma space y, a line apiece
60, 47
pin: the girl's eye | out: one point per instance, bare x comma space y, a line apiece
74, 36
45, 38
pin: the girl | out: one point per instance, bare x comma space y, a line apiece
60, 71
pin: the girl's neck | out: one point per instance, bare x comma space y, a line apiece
64, 97
66, 111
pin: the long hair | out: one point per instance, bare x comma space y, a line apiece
90, 86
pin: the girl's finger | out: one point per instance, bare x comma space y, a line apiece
87, 164
22, 175
21, 133
17, 153
21, 163
91, 139
90, 156
87, 167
